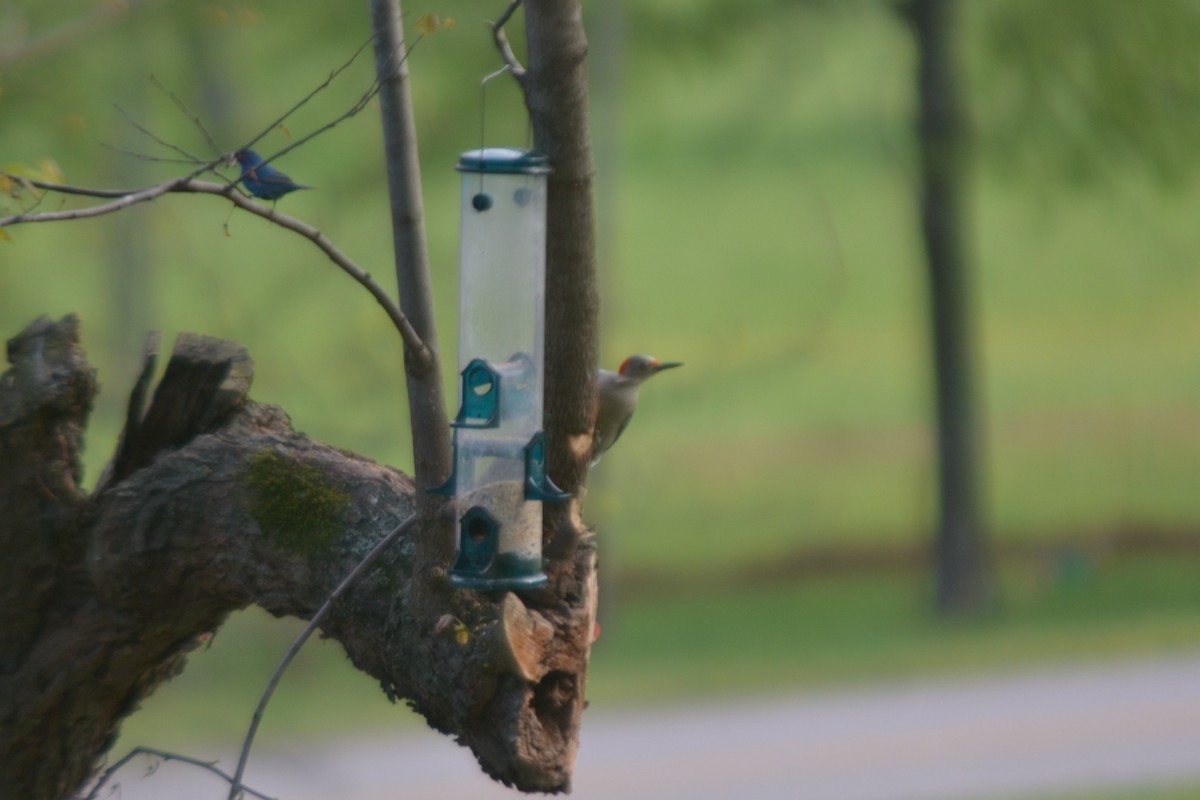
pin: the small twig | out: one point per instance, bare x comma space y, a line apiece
354, 109
502, 44
187, 112
304, 101
492, 75
359, 569
62, 188
124, 199
144, 157
147, 132
503, 19
166, 756
409, 334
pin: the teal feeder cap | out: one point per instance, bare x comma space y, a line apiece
503, 161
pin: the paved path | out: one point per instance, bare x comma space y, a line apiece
1011, 736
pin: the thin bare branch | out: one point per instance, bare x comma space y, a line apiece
187, 112
121, 201
503, 19
210, 766
502, 44
304, 101
410, 336
235, 784
63, 188
124, 199
191, 159
357, 107
144, 157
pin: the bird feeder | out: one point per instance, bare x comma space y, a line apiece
499, 481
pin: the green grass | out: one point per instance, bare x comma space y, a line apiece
812, 633
1154, 792
835, 630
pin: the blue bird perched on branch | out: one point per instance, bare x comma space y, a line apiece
263, 180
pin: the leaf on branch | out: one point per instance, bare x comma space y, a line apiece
427, 25
4, 237
449, 622
18, 177
49, 171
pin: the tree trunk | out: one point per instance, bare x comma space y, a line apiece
211, 504
426, 397
555, 88
963, 580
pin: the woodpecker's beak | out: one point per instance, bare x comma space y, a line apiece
667, 365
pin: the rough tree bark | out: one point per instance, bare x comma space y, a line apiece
555, 88
212, 504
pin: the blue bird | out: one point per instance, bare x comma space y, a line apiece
263, 180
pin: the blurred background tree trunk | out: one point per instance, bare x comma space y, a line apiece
963, 583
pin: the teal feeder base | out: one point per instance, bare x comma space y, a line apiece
480, 567
484, 583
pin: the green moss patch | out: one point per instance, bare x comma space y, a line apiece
293, 504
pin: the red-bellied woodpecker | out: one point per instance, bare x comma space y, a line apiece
618, 396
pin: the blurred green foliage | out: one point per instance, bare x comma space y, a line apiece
1078, 87
757, 220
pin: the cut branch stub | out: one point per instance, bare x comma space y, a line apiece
524, 634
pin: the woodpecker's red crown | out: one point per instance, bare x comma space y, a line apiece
640, 367
637, 363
